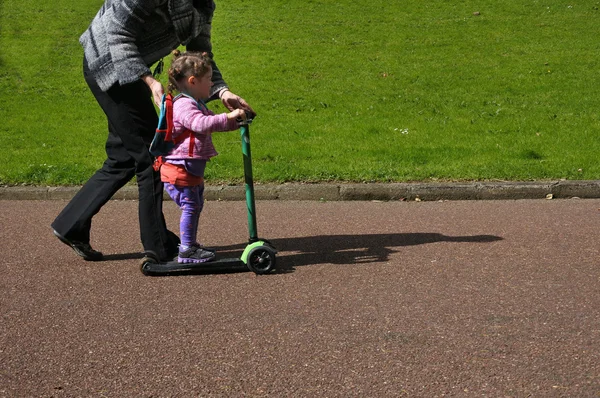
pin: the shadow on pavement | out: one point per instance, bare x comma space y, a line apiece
359, 249
123, 256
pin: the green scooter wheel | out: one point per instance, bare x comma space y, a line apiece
261, 260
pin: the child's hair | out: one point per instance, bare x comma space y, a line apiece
185, 65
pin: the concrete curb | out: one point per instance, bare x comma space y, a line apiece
342, 191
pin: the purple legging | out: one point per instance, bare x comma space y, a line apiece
191, 202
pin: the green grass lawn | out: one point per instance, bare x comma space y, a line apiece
345, 91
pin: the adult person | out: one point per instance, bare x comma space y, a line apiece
124, 39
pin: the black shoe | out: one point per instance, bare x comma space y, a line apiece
152, 257
171, 250
81, 248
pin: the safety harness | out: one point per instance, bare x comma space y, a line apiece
163, 141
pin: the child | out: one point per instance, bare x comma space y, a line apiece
183, 169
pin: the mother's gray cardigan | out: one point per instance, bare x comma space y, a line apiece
128, 36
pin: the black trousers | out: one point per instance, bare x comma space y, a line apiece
132, 121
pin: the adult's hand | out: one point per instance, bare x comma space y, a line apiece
156, 88
233, 101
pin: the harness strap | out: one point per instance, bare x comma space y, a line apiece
191, 146
169, 116
187, 133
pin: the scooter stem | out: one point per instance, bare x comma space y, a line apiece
245, 134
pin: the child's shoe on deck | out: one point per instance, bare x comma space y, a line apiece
199, 246
195, 254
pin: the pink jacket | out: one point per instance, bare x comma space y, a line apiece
190, 115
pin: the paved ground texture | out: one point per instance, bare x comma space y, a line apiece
372, 299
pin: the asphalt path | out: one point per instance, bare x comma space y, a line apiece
370, 299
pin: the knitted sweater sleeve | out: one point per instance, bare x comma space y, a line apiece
186, 115
125, 20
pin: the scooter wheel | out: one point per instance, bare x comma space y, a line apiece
145, 268
261, 260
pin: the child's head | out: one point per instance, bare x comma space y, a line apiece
191, 73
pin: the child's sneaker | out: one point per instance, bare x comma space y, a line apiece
199, 246
195, 255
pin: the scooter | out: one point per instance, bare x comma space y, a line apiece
259, 254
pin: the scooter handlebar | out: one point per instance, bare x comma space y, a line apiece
249, 118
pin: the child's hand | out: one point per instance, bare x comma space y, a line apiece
237, 114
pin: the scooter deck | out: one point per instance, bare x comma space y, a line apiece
173, 267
